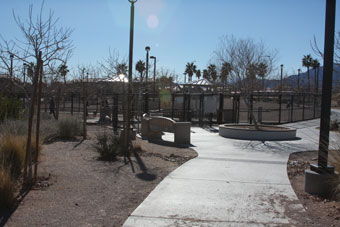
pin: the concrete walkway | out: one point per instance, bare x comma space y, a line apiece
230, 183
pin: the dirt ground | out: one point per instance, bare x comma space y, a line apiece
321, 211
78, 190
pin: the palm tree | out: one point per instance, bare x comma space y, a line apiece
198, 74
262, 70
225, 71
205, 74
212, 72
63, 71
140, 67
315, 65
307, 62
121, 69
190, 69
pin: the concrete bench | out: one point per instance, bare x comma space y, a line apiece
152, 128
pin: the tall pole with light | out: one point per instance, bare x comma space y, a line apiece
281, 78
147, 49
128, 115
11, 69
298, 80
154, 73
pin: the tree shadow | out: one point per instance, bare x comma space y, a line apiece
169, 143
5, 214
144, 175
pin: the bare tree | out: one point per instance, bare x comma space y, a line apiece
318, 52
243, 55
42, 42
40, 33
114, 64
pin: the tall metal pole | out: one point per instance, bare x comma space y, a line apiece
154, 73
298, 80
326, 88
128, 116
281, 78
147, 49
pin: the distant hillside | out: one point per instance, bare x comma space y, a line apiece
292, 80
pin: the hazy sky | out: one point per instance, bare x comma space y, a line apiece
179, 31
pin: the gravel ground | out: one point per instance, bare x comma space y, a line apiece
78, 190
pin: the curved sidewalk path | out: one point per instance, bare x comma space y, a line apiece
230, 183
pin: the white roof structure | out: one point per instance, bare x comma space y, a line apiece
119, 78
201, 82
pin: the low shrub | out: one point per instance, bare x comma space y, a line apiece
69, 128
12, 154
7, 189
108, 147
14, 127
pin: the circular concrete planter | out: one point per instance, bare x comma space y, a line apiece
248, 132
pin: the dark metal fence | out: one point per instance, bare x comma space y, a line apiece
199, 108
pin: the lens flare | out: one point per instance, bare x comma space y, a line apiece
152, 21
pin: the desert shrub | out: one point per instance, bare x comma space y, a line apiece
10, 108
14, 127
7, 189
108, 147
69, 128
12, 154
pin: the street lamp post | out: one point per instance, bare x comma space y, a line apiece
154, 73
326, 90
298, 80
147, 49
11, 69
281, 78
128, 115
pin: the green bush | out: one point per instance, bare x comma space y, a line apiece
108, 147
10, 108
69, 128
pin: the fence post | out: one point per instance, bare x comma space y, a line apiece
220, 110
259, 114
79, 99
291, 108
314, 105
250, 110
201, 110
280, 107
183, 108
303, 107
172, 106
146, 102
72, 103
115, 113
238, 109
188, 107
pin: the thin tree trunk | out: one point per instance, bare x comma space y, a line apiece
38, 124
28, 156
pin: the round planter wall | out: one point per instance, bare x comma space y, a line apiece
248, 132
